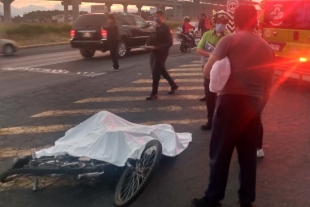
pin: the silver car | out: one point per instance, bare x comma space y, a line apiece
8, 47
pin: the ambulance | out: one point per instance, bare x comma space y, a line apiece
285, 26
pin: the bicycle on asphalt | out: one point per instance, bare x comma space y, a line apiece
134, 179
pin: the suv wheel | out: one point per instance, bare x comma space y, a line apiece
87, 53
8, 50
122, 49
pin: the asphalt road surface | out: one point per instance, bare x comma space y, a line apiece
46, 91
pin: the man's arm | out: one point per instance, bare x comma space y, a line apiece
219, 53
204, 53
208, 66
201, 45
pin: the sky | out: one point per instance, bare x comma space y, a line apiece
51, 4
19, 7
47, 4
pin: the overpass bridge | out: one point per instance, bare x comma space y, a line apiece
181, 8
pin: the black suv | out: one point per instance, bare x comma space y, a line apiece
88, 35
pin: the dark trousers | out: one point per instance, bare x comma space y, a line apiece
210, 99
236, 123
159, 69
260, 136
113, 46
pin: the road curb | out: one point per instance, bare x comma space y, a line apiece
43, 45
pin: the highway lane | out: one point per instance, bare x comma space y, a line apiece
37, 105
54, 66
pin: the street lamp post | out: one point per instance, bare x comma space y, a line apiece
175, 10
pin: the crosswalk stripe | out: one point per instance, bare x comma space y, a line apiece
33, 129
176, 122
176, 80
79, 112
191, 65
186, 74
60, 128
19, 152
138, 89
184, 69
135, 98
196, 61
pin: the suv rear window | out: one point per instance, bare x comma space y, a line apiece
90, 21
287, 14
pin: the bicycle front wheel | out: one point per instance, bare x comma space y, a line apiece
134, 179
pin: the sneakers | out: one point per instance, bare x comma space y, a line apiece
173, 89
260, 153
114, 69
207, 126
151, 97
203, 202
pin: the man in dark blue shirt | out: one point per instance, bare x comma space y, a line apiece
160, 51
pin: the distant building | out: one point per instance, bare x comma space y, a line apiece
60, 18
98, 9
153, 10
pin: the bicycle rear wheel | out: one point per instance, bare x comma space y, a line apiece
134, 179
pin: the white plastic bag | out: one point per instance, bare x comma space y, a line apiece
219, 75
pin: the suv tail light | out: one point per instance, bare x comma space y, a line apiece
72, 33
104, 33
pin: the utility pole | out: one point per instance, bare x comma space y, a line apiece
175, 10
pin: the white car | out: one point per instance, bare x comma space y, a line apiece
8, 47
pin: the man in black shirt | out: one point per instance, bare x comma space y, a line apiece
112, 38
160, 51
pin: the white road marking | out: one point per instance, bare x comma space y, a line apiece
52, 71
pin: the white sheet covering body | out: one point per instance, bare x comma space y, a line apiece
109, 138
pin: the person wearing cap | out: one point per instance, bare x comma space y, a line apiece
212, 37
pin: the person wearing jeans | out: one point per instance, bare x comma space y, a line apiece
237, 116
210, 103
211, 37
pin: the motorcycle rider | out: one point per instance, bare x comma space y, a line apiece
220, 19
186, 27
